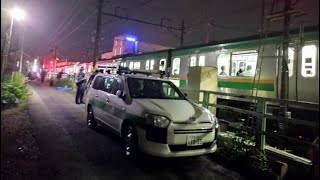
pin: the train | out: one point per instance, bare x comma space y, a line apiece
238, 61
236, 55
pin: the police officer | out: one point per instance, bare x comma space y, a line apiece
81, 86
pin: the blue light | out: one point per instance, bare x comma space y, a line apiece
131, 39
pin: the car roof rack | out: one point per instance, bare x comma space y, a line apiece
120, 70
125, 70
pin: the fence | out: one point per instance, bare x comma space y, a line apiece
262, 118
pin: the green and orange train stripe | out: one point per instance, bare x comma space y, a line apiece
239, 83
245, 83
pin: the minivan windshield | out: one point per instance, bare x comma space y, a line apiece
153, 89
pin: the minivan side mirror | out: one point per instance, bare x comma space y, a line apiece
120, 94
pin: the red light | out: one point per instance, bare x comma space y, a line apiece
51, 62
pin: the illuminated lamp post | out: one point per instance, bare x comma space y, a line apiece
17, 14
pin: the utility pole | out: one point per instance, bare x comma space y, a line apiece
21, 55
284, 67
182, 32
97, 37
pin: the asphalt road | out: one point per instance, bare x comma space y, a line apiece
70, 150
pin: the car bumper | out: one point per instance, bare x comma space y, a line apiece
176, 145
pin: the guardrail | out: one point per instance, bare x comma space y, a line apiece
205, 98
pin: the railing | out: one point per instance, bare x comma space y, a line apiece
208, 100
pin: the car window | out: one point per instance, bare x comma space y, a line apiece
117, 85
106, 85
153, 89
96, 83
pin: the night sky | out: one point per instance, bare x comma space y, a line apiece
232, 18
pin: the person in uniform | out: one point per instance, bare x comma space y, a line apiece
81, 86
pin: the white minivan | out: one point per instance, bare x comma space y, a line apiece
151, 115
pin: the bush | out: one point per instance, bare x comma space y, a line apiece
66, 82
13, 90
237, 152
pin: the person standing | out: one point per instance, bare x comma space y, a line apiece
81, 86
59, 76
43, 75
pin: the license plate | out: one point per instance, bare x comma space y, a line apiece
194, 140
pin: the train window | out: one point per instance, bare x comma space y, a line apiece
131, 65
244, 63
136, 65
193, 60
151, 64
308, 61
147, 65
176, 66
202, 60
123, 64
290, 61
162, 64
223, 62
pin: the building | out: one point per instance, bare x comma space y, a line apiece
125, 44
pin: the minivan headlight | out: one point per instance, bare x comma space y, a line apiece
157, 120
214, 121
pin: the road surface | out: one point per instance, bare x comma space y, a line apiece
70, 150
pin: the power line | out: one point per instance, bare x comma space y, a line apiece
83, 22
140, 21
64, 21
59, 32
140, 5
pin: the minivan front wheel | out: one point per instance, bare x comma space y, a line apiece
91, 123
130, 142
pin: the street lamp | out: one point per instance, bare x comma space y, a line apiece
17, 14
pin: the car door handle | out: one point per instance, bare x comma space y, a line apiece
96, 95
107, 100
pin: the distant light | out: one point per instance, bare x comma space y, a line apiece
131, 39
57, 58
34, 68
